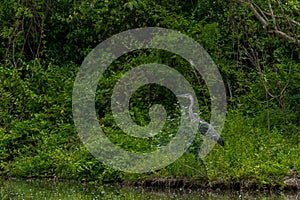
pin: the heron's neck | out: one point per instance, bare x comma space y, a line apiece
191, 113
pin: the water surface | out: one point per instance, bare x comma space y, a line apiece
48, 190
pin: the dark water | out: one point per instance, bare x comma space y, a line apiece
43, 189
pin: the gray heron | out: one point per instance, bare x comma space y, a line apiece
204, 127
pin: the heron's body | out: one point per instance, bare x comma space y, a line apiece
204, 127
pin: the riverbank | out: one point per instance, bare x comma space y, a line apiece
252, 158
289, 184
67, 189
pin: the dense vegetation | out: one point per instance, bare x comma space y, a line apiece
43, 44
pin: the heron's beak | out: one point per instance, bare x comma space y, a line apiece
180, 95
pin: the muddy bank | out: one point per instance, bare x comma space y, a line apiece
287, 184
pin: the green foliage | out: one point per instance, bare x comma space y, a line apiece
42, 44
253, 153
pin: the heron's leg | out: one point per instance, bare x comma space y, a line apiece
205, 174
202, 151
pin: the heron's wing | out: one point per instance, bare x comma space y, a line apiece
209, 132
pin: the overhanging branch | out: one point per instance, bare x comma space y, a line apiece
261, 16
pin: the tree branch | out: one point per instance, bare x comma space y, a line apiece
285, 36
261, 16
272, 14
282, 17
